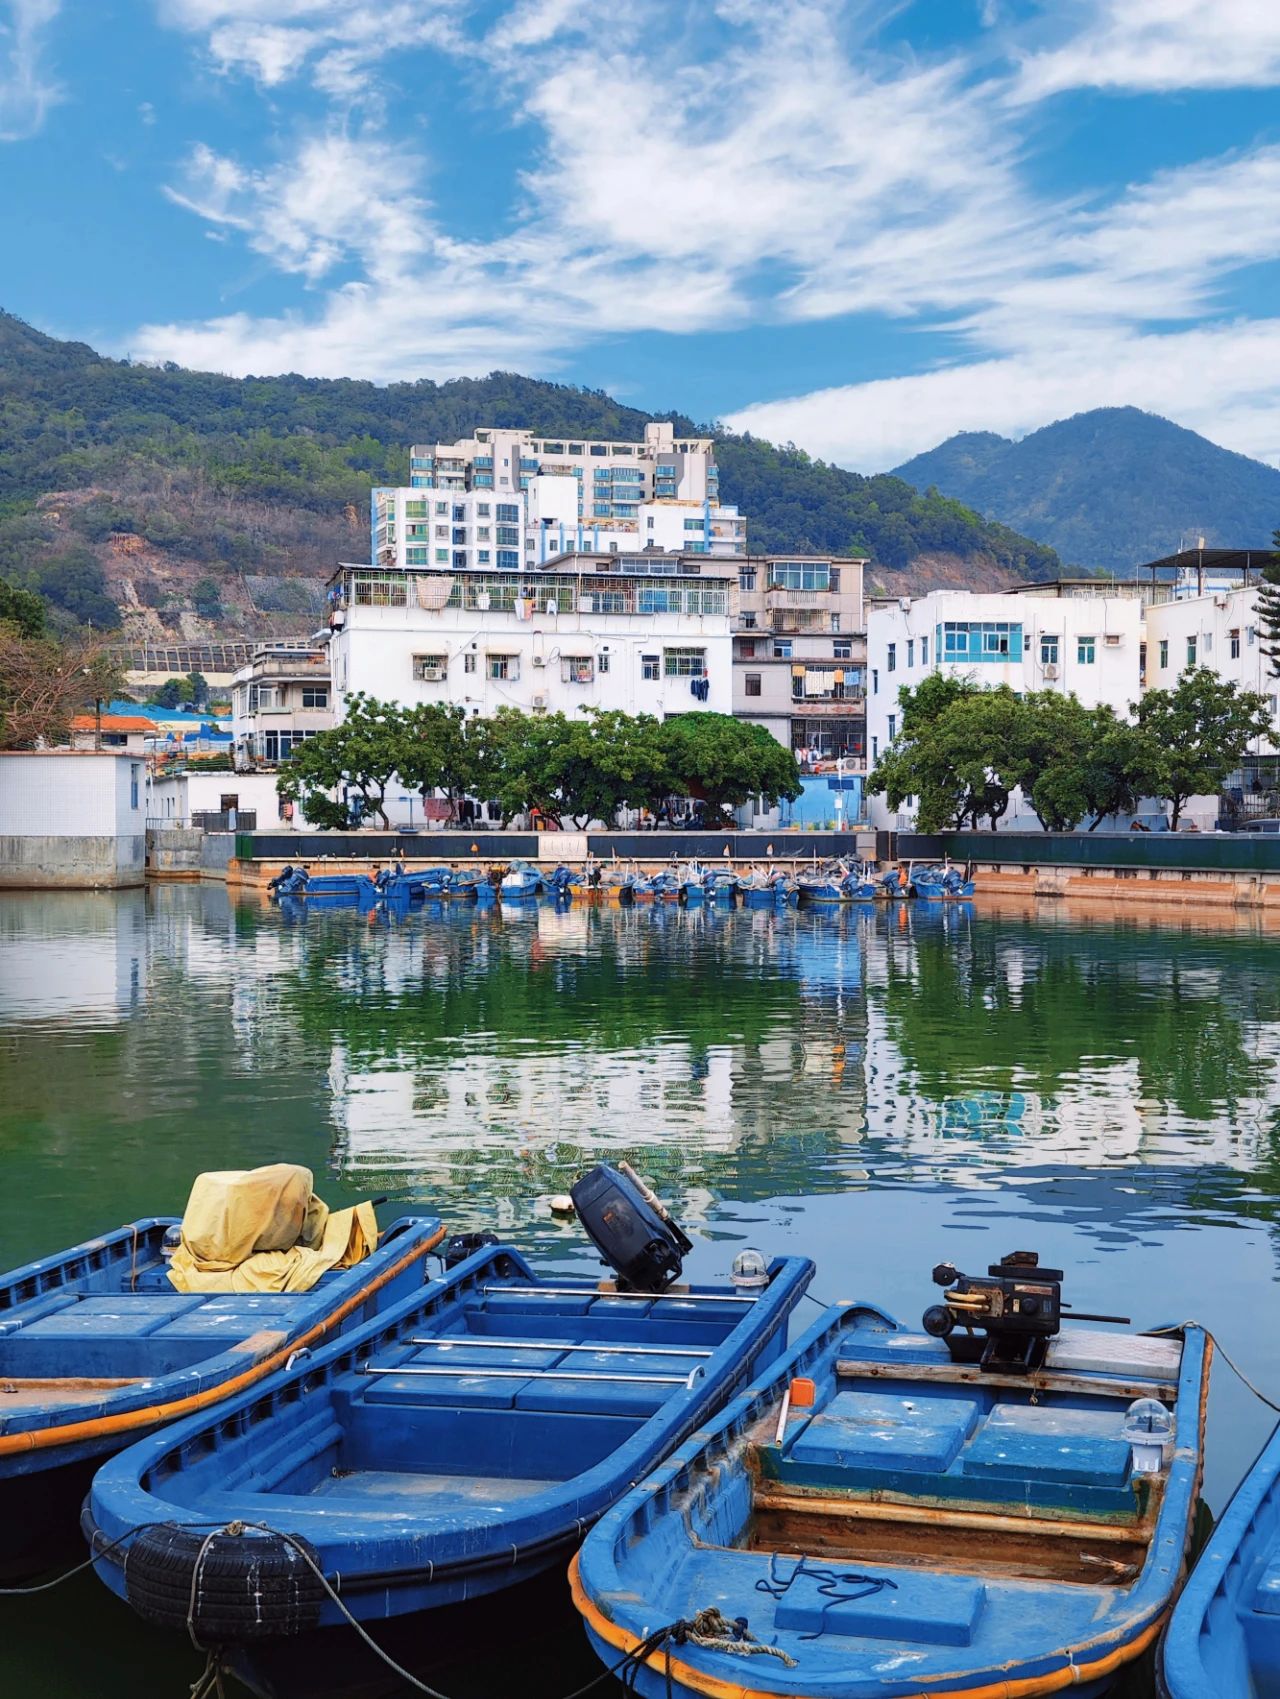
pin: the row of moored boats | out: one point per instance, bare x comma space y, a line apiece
694, 883
287, 1422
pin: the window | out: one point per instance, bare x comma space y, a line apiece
842, 648
482, 557
747, 578
482, 534
430, 668
746, 650
650, 666
749, 622
911, 651
135, 770
1048, 651
690, 524
373, 592
979, 640
508, 534
799, 575
1191, 651
507, 513
782, 648
891, 658
1250, 634
577, 669
834, 622
482, 509
459, 537
442, 531
684, 663
875, 681
751, 684
1208, 642
442, 508
602, 661
924, 651
1164, 651
468, 663
509, 559
1086, 650
893, 727
834, 573
995, 640
875, 748
442, 557
315, 696
459, 514
1235, 643
503, 666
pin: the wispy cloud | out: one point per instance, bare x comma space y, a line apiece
28, 87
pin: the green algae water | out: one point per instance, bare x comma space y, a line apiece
878, 1089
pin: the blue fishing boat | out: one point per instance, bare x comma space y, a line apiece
299, 882
520, 883
1223, 1640
837, 882
560, 883
987, 1508
932, 884
98, 1347
394, 882
459, 1444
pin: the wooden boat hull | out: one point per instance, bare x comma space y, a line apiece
1223, 1640
442, 1453
98, 1349
918, 1528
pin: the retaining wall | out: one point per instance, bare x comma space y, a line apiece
94, 862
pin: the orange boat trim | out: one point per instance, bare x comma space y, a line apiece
1022, 1687
96, 1427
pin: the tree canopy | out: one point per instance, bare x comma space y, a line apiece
580, 769
1197, 733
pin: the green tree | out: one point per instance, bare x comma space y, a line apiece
1119, 766
725, 761
1267, 610
960, 753
166, 695
435, 752
21, 609
207, 597
1197, 733
357, 757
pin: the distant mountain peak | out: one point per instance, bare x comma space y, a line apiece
1109, 488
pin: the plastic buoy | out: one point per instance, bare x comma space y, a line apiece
562, 1204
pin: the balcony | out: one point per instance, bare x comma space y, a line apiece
306, 669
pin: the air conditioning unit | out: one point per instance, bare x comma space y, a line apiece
1219, 601
1051, 669
538, 702
538, 661
432, 675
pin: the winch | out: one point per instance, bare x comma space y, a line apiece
630, 1228
1002, 1320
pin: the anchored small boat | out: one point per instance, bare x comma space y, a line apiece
460, 1443
838, 882
299, 882
520, 882
934, 883
98, 1346
1223, 1640
394, 883
986, 1508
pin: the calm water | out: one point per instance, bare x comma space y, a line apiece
879, 1090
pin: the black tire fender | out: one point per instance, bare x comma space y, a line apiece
227, 1587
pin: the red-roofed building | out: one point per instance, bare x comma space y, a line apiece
127, 732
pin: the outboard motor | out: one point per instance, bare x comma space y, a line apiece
890, 881
630, 1228
952, 881
282, 879
1006, 1317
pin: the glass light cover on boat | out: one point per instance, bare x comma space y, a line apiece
172, 1239
749, 1269
1149, 1428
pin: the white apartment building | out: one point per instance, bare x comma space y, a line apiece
280, 698
1084, 638
1218, 630
646, 635
557, 496
799, 653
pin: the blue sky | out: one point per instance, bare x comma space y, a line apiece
856, 226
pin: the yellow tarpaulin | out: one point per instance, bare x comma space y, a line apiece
265, 1230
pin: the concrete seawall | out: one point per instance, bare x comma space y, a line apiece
183, 852
90, 862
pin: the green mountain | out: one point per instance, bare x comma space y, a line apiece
1109, 489
197, 504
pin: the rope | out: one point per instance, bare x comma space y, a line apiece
837, 1587
1181, 1327
45, 1586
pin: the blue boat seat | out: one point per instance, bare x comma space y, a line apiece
1266, 1592
1050, 1443
35, 1310
927, 1609
867, 1430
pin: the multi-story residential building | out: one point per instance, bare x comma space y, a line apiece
1083, 638
645, 634
559, 496
799, 653
280, 698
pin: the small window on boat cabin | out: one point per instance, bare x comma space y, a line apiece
651, 666
751, 684
1049, 649
1086, 650
503, 666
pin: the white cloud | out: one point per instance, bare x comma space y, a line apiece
27, 87
1159, 45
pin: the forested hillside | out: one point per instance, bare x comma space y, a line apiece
193, 502
1111, 488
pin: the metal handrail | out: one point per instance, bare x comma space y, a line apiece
540, 1374
468, 1344
638, 1297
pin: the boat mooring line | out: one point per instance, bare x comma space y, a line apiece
1181, 1327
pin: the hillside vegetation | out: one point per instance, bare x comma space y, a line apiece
1111, 488
193, 503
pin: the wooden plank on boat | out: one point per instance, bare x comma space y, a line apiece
770, 1497
1040, 1380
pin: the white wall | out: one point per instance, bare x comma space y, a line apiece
71, 794
1216, 624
